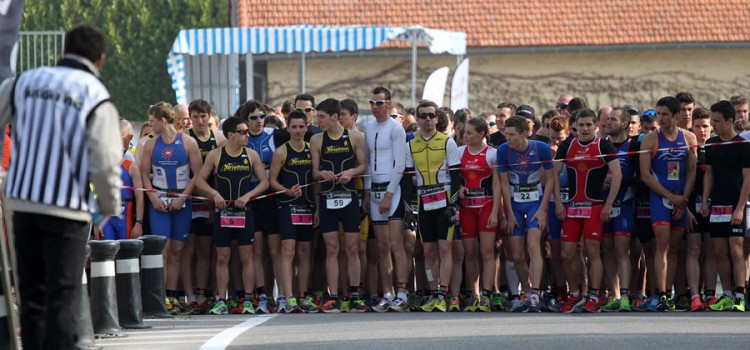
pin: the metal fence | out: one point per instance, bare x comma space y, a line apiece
39, 48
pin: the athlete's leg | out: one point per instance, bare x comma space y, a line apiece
533, 242
675, 240
186, 266
385, 262
661, 250
736, 252
222, 271
304, 261
274, 252
692, 263
471, 257
432, 267
331, 240
721, 256
487, 250
258, 247
624, 268
202, 261
288, 247
398, 251
457, 253
248, 271
609, 260
351, 244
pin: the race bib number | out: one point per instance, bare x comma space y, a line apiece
699, 203
579, 210
377, 192
476, 198
338, 199
232, 218
301, 214
200, 210
721, 214
616, 209
525, 194
434, 198
167, 200
667, 203
565, 194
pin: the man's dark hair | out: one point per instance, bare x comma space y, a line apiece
296, 115
586, 113
426, 103
685, 97
244, 110
519, 122
381, 90
304, 97
400, 108
442, 119
624, 114
508, 105
479, 125
670, 102
448, 112
737, 100
162, 110
577, 103
230, 125
701, 113
725, 108
331, 106
273, 121
287, 107
200, 106
549, 114
85, 40
350, 106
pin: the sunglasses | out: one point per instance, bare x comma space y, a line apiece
242, 131
378, 102
427, 115
256, 117
394, 116
649, 113
491, 123
306, 110
562, 106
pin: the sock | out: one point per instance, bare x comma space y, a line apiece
171, 294
728, 293
594, 294
739, 292
191, 299
709, 293
248, 297
388, 296
354, 291
260, 290
442, 290
402, 296
623, 292
402, 286
576, 294
239, 294
486, 293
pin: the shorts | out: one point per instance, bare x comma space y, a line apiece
201, 227
524, 213
223, 236
365, 229
300, 233
702, 226
115, 228
396, 211
474, 220
621, 225
747, 224
662, 216
591, 228
554, 225
174, 224
266, 215
432, 226
348, 216
726, 229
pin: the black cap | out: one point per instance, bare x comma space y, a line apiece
631, 109
526, 111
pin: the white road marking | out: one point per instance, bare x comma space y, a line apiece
223, 339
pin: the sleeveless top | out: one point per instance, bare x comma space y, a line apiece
337, 155
297, 170
668, 165
234, 174
169, 164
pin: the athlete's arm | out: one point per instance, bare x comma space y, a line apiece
145, 163
398, 142
318, 174
260, 173
208, 167
407, 181
359, 151
739, 211
135, 175
545, 155
650, 143
559, 166
273, 179
708, 180
221, 141
196, 162
502, 171
453, 160
692, 164
497, 194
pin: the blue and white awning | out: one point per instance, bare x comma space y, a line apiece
297, 39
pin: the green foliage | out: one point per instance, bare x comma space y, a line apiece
140, 34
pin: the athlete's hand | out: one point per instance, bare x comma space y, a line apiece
679, 201
242, 201
541, 217
737, 216
177, 203
512, 224
328, 175
295, 191
678, 213
137, 231
98, 233
692, 222
366, 202
219, 201
492, 222
462, 192
560, 211
606, 214
157, 203
704, 209
344, 177
385, 203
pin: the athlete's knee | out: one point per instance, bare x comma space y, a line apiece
222, 258
287, 251
569, 254
352, 249
332, 247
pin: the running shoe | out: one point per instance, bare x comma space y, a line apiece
383, 306
219, 308
415, 300
292, 307
497, 302
247, 307
724, 303
665, 304
271, 305
344, 305
358, 306
472, 304
168, 306
553, 304
710, 301
696, 304
282, 305
235, 307
399, 305
429, 305
625, 303
682, 303
534, 304
739, 304
441, 304
637, 301
485, 304
307, 305
454, 305
570, 304
519, 305
612, 306
262, 306
332, 306
592, 306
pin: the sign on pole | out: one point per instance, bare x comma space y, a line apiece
434, 86
460, 86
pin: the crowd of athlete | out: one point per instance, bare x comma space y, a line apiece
439, 210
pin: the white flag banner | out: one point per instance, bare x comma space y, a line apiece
460, 86
11, 12
434, 86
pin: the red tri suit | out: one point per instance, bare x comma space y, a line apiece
476, 174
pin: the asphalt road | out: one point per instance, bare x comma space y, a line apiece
445, 331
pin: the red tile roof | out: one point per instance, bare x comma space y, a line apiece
505, 23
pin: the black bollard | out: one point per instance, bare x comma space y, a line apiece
153, 292
104, 289
85, 328
129, 305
